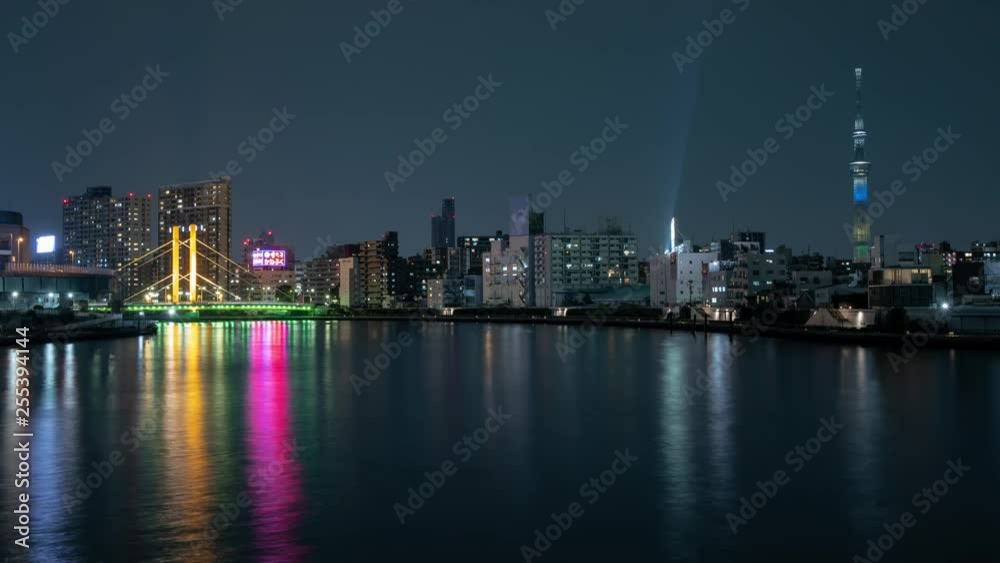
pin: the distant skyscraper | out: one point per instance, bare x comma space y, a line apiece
103, 231
860, 168
208, 205
443, 226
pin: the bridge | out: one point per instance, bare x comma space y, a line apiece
182, 287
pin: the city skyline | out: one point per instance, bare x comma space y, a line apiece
665, 164
556, 280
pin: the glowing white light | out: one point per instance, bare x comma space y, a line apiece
673, 233
45, 245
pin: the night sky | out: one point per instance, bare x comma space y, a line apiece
322, 178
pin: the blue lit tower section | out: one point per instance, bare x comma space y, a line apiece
860, 168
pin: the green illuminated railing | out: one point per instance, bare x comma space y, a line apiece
220, 307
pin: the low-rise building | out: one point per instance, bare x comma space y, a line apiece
274, 285
718, 290
678, 278
764, 271
811, 280
900, 287
462, 292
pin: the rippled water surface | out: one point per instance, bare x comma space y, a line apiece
251, 441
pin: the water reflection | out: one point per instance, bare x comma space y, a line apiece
274, 474
190, 480
228, 402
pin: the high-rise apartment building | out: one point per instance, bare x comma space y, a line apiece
208, 206
568, 266
104, 231
350, 282
378, 265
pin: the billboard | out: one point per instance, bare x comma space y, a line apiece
45, 245
268, 258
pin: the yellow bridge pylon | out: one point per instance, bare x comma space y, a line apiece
173, 282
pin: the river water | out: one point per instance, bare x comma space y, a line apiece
391, 441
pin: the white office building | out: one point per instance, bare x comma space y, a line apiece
677, 278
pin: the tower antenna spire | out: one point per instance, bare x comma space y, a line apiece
860, 168
859, 120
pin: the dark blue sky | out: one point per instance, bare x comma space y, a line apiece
322, 177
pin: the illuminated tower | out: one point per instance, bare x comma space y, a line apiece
860, 168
